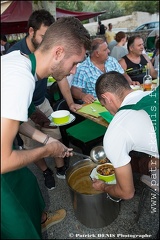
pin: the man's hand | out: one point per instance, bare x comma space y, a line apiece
88, 98
58, 149
74, 107
98, 184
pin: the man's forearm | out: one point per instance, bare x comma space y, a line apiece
77, 93
68, 96
114, 190
65, 90
31, 132
128, 78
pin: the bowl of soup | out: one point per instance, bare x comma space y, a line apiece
105, 172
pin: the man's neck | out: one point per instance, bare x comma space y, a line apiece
96, 61
98, 64
133, 56
30, 45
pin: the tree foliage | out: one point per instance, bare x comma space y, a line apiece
147, 6
70, 5
142, 6
113, 8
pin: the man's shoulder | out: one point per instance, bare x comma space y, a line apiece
20, 45
114, 42
85, 63
14, 54
111, 59
127, 57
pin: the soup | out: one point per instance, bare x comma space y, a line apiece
106, 170
81, 182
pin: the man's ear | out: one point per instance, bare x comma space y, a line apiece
31, 31
106, 96
59, 53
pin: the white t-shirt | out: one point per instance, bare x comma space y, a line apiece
2, 48
129, 130
17, 86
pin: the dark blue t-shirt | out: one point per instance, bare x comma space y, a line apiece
41, 85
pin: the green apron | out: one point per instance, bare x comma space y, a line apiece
22, 205
150, 104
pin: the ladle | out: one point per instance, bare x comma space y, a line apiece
96, 155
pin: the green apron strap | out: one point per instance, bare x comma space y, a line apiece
150, 104
32, 107
33, 61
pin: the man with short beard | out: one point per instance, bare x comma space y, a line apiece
38, 23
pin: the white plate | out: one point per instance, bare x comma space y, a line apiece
136, 87
49, 84
94, 175
72, 118
154, 81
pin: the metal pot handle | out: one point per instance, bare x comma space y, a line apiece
108, 196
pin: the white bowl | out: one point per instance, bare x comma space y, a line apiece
60, 116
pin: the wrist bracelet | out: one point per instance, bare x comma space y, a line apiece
115, 200
46, 140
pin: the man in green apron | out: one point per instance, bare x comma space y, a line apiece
131, 141
63, 47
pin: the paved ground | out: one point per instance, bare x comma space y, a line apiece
123, 227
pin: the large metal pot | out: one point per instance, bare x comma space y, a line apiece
92, 208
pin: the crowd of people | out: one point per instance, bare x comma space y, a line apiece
58, 48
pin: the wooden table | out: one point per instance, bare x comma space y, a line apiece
98, 120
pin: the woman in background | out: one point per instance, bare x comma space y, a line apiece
119, 50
